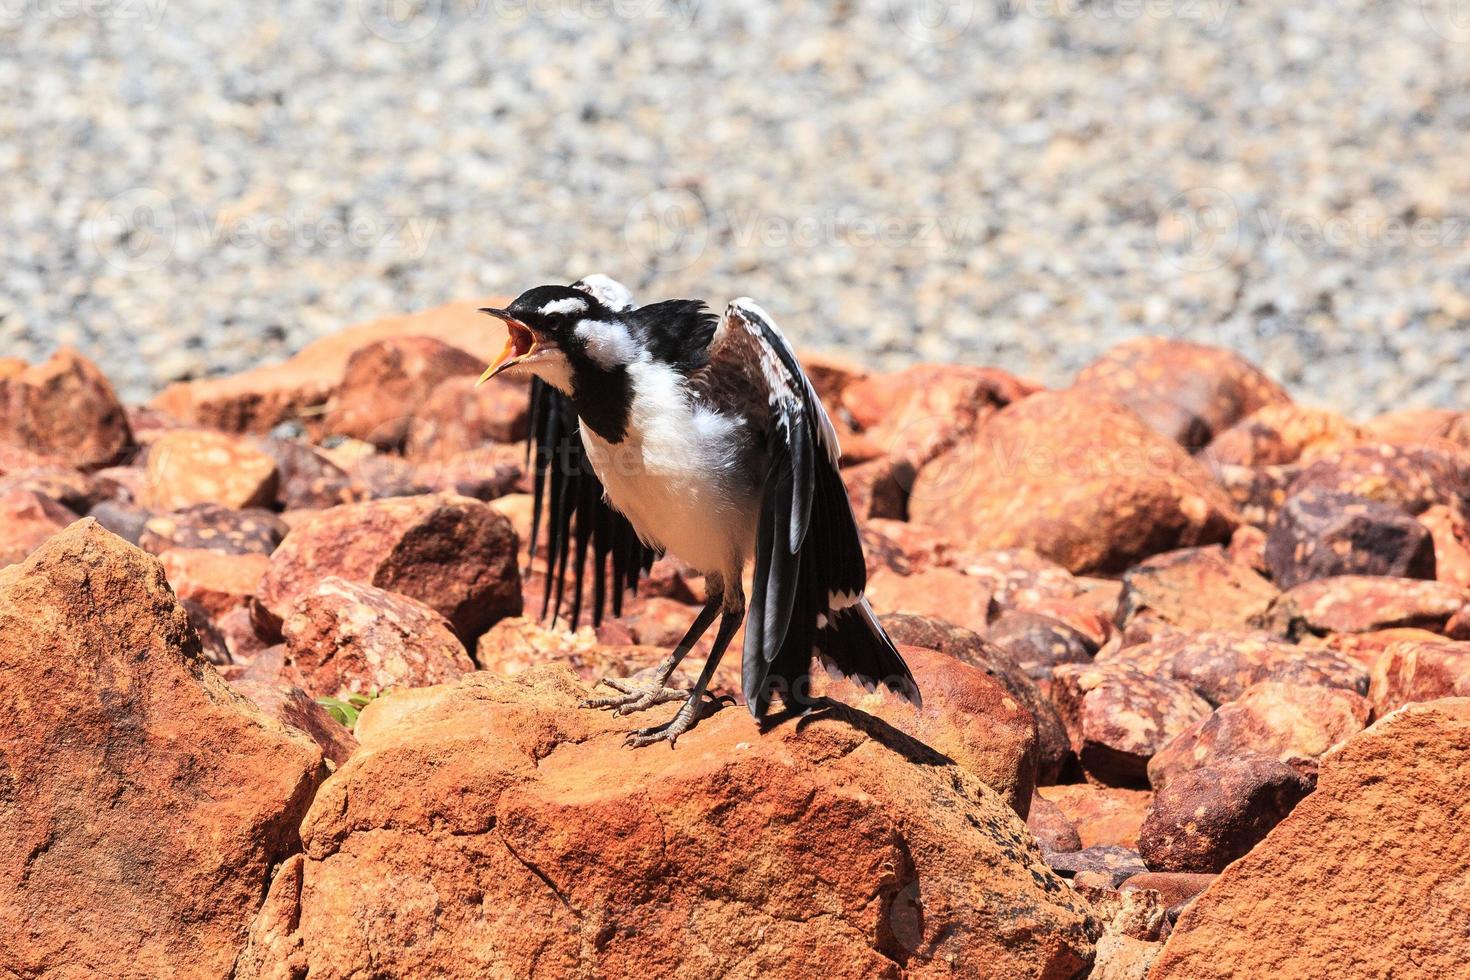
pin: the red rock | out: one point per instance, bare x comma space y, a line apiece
1364, 649
1322, 533
1206, 818
1220, 666
1282, 433
968, 717
1248, 547
1039, 643
1077, 478
308, 479
921, 411
1411, 426
880, 488
1410, 478
479, 821
348, 638
457, 416
259, 399
385, 385
939, 592
1290, 723
64, 408
72, 489
1053, 750
456, 555
1187, 392
219, 583
27, 519
1123, 958
294, 708
1195, 589
1451, 545
1050, 826
237, 629
1083, 614
1410, 671
211, 527
1366, 878
1103, 815
192, 466
1117, 717
1363, 603
485, 473
144, 803
907, 548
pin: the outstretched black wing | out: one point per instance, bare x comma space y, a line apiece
807, 597
580, 524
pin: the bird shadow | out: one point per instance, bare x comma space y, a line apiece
880, 731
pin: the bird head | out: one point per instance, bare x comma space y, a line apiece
552, 331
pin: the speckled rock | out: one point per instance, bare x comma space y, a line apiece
1112, 863
1206, 818
1256, 491
308, 479
457, 416
1188, 392
1322, 533
456, 555
345, 637
1177, 889
1195, 589
1220, 666
211, 527
1283, 432
386, 383
1053, 750
1039, 643
1363, 603
1077, 478
27, 519
1418, 671
64, 408
486, 473
1365, 878
72, 489
1290, 723
1123, 958
1117, 717
194, 466
1019, 578
1411, 478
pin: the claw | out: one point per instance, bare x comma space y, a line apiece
631, 698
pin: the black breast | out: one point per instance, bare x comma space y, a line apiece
604, 400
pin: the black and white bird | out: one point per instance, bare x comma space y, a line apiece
664, 429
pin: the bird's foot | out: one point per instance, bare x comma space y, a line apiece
691, 711
631, 697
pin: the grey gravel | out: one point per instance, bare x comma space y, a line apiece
193, 187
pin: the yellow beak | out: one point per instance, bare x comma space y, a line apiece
520, 343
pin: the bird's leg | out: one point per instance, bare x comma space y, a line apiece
694, 706
631, 697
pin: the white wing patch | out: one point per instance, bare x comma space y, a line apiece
778, 375
609, 344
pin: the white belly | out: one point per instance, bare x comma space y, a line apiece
673, 475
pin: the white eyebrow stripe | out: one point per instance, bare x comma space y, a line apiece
569, 305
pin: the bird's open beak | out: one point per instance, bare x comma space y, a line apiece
521, 344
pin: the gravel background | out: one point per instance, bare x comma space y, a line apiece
191, 187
